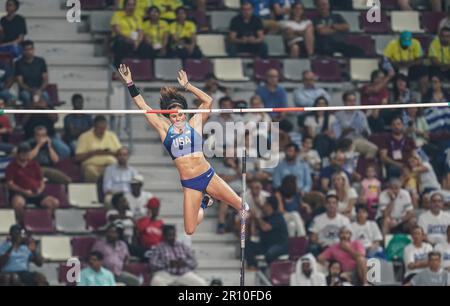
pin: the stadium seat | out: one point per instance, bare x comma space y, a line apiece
52, 90
425, 41
83, 195
365, 42
95, 218
386, 5
360, 69
260, 67
229, 69
4, 200
405, 21
17, 136
81, 246
327, 69
167, 69
92, 4
280, 272
214, 4
375, 27
220, 20
293, 68
381, 42
59, 192
142, 69
100, 21
198, 69
38, 221
275, 44
63, 273
7, 218
55, 248
212, 45
431, 20
298, 247
71, 168
352, 19
141, 270
200, 19
70, 221
232, 4
387, 277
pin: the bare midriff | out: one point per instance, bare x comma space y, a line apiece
191, 165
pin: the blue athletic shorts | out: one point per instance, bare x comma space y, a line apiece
200, 182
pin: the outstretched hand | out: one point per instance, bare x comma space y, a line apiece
125, 73
182, 78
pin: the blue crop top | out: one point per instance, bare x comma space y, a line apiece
183, 144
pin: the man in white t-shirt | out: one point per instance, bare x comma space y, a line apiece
435, 221
415, 255
137, 198
325, 227
366, 231
444, 249
396, 209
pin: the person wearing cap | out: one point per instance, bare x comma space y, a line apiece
149, 228
138, 198
26, 184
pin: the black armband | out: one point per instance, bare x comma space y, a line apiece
134, 92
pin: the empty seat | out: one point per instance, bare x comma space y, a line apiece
327, 69
220, 20
83, 195
431, 20
360, 69
365, 42
55, 248
352, 19
232, 4
280, 272
229, 69
49, 270
212, 45
167, 69
298, 246
92, 4
38, 221
52, 90
95, 218
70, 221
142, 68
100, 21
375, 27
387, 276
71, 168
200, 19
425, 41
381, 41
141, 270
405, 21
293, 68
81, 246
260, 67
198, 69
275, 44
59, 192
7, 218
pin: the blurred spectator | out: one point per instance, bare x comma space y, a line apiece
445, 23
407, 5
434, 275
423, 171
156, 34
96, 149
345, 193
264, 9
256, 102
367, 232
439, 53
436, 93
149, 229
402, 93
274, 238
354, 125
350, 254
117, 177
376, 92
12, 30
32, 77
417, 128
444, 249
183, 37
173, 262
308, 95
298, 32
331, 29
16, 253
26, 183
168, 8
281, 9
43, 151
115, 255
337, 165
256, 197
138, 198
96, 274
306, 274
435, 221
335, 277
311, 156
214, 89
272, 93
141, 6
76, 124
370, 188
396, 148
395, 208
121, 216
6, 81
6, 130
246, 33
415, 254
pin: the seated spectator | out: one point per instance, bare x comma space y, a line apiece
173, 262
415, 254
402, 93
16, 253
168, 8
43, 152
396, 149
96, 274
444, 249
311, 156
335, 277
345, 193
306, 274
370, 189
6, 81
377, 92
426, 178
407, 5
246, 33
183, 37
367, 232
337, 165
298, 32
272, 93
13, 29
435, 221
325, 227
76, 124
138, 198
281, 9
115, 255
149, 229
256, 102
256, 197
5, 131
117, 177
330, 33
308, 95
141, 6
395, 208
354, 125
156, 34
439, 53
417, 128
96, 149
215, 90
350, 254
26, 183
445, 23
32, 77
436, 93
274, 238
121, 216
434, 275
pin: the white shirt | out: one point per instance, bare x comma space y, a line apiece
367, 233
117, 179
138, 206
263, 195
128, 225
402, 204
328, 229
435, 226
412, 254
444, 249
312, 157
428, 179
317, 126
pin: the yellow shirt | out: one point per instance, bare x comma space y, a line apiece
155, 32
167, 7
141, 7
183, 31
127, 24
442, 53
396, 53
89, 142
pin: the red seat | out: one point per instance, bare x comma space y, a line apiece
59, 192
200, 19
95, 218
17, 136
298, 246
425, 41
390, 5
82, 246
431, 20
71, 168
327, 69
52, 90
375, 27
38, 221
214, 4
142, 69
4, 200
198, 69
64, 271
260, 67
365, 42
280, 272
92, 4
140, 270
